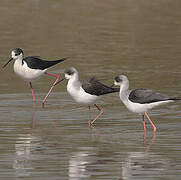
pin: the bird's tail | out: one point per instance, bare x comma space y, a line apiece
115, 90
54, 62
112, 90
176, 99
59, 60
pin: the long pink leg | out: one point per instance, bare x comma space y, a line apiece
154, 127
89, 117
57, 79
100, 113
144, 126
33, 94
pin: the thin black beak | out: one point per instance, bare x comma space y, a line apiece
59, 81
7, 62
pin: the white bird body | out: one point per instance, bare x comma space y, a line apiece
78, 94
138, 107
133, 104
26, 73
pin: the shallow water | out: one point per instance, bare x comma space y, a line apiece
102, 38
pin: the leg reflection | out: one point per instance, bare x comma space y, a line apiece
33, 118
150, 143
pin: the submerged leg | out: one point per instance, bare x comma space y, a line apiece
100, 113
89, 117
57, 79
33, 94
151, 141
144, 126
154, 127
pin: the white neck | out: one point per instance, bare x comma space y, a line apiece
74, 82
124, 91
19, 59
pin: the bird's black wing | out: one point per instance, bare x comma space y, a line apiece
94, 87
36, 63
144, 96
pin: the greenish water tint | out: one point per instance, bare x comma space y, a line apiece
102, 38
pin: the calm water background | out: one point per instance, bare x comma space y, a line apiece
141, 39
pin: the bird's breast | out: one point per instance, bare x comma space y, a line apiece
26, 73
79, 95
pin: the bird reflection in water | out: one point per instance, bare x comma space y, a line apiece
140, 164
25, 148
79, 162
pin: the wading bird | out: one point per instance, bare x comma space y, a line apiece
86, 91
140, 100
31, 68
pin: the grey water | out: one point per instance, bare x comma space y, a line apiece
141, 39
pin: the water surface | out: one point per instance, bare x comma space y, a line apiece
102, 38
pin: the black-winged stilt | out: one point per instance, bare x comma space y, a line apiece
31, 68
140, 100
86, 91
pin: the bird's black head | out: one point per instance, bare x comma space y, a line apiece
70, 72
120, 79
15, 54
